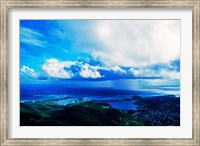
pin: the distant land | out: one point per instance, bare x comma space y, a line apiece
152, 111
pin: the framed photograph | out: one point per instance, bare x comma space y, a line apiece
100, 72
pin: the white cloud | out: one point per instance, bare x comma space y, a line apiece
170, 74
150, 73
59, 69
56, 69
32, 37
88, 71
136, 42
26, 71
70, 69
135, 72
117, 69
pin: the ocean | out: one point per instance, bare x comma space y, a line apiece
50, 91
114, 93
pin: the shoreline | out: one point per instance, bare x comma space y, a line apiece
152, 111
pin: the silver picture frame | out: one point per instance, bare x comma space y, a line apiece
6, 5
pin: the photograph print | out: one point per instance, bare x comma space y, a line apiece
100, 72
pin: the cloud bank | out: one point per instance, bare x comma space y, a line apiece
136, 42
28, 72
54, 68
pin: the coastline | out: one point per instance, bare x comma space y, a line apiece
152, 111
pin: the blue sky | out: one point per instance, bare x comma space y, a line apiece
99, 50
